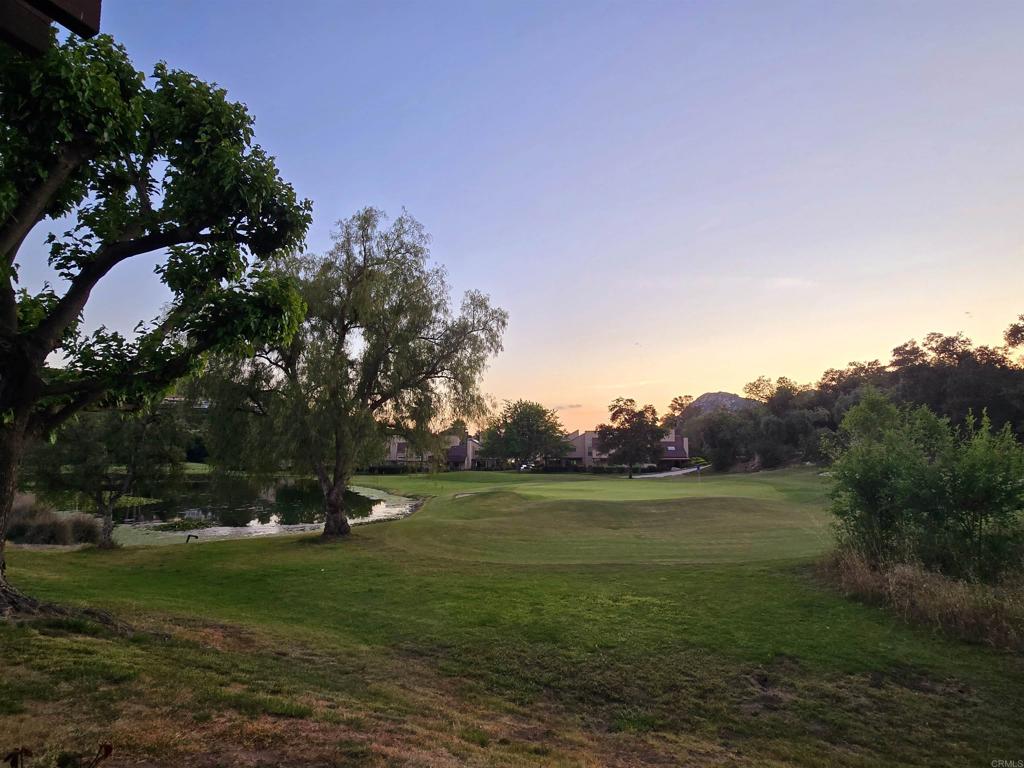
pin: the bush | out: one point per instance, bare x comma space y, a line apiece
85, 529
992, 615
911, 488
607, 469
39, 525
35, 523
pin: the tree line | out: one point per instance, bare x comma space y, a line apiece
524, 433
782, 421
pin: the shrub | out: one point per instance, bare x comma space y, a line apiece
39, 525
35, 523
911, 488
85, 529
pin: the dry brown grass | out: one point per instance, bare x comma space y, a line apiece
980, 613
33, 522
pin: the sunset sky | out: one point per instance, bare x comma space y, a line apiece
668, 197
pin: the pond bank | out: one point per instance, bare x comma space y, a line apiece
386, 507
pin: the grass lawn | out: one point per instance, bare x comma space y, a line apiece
514, 620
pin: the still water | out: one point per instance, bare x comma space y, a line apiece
211, 508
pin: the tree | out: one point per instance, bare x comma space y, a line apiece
675, 410
1014, 335
634, 435
725, 436
524, 432
137, 168
769, 441
106, 455
380, 352
761, 389
779, 396
458, 428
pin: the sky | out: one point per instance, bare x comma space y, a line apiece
668, 197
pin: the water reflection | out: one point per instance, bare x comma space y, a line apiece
242, 502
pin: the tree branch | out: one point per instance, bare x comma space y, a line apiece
34, 203
87, 392
47, 335
8, 303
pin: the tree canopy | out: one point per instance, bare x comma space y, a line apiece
380, 352
524, 432
633, 436
947, 373
129, 166
107, 455
675, 410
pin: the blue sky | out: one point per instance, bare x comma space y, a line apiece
668, 197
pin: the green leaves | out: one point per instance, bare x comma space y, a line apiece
380, 350
81, 95
524, 431
911, 487
634, 435
111, 453
138, 167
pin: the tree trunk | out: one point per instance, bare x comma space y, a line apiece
14, 602
630, 471
335, 522
107, 529
12, 440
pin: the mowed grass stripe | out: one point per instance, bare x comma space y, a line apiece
500, 526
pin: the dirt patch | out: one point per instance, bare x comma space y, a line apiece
919, 681
766, 689
223, 637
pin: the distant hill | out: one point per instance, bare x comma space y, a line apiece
718, 401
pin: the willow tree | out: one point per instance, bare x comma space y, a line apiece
381, 351
128, 167
106, 455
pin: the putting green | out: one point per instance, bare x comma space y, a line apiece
537, 519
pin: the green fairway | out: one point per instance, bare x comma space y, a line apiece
513, 620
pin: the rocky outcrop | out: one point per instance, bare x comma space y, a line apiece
718, 401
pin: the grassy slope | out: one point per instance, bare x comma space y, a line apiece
536, 620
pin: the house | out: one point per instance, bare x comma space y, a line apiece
465, 454
584, 450
675, 449
459, 453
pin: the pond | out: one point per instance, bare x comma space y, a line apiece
217, 507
